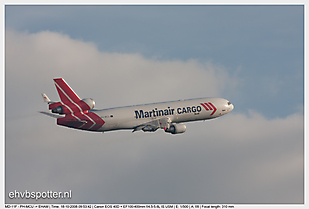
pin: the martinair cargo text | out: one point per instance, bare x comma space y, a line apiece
77, 113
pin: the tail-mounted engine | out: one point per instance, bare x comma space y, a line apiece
176, 128
72, 107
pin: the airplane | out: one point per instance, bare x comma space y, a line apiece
73, 112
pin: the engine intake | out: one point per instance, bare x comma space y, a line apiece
58, 109
69, 108
176, 128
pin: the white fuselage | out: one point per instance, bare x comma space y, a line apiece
177, 111
73, 112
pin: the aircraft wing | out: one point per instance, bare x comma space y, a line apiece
154, 125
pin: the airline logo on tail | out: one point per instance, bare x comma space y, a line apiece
75, 109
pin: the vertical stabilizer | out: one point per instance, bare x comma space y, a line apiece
65, 92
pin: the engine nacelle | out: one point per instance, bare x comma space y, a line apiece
176, 128
90, 102
58, 110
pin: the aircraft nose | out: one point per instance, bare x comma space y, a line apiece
232, 107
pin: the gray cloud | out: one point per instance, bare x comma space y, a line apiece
268, 47
239, 158
134, 77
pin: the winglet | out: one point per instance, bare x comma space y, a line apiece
46, 99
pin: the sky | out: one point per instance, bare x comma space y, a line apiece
125, 55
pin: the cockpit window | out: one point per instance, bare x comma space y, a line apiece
228, 103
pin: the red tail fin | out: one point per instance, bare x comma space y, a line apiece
65, 92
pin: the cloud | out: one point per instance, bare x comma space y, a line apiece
268, 155
239, 158
137, 79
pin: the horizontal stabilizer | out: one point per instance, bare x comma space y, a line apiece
76, 122
51, 114
46, 99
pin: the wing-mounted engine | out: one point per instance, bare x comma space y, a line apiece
176, 128
72, 107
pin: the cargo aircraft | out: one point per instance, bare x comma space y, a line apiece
73, 112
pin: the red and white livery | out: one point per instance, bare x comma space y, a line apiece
73, 112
